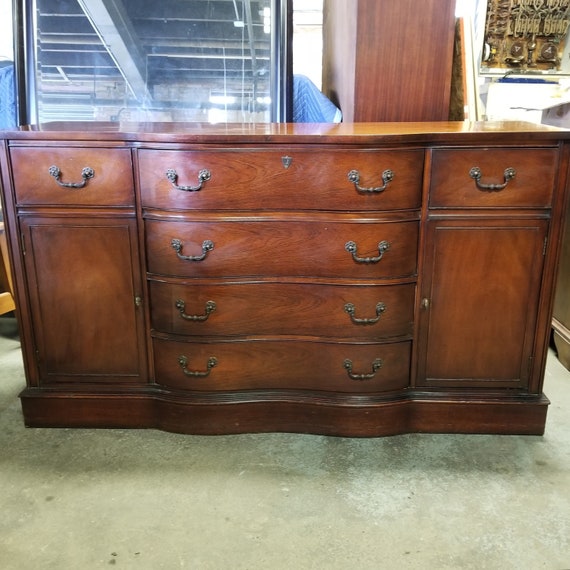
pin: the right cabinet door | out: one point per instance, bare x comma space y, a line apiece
479, 302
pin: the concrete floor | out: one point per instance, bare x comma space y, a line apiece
82, 499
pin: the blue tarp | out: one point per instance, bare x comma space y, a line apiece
310, 105
7, 96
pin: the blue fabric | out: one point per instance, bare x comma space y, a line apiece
310, 105
7, 97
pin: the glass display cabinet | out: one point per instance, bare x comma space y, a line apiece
142, 60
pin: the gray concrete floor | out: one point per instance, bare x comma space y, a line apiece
82, 499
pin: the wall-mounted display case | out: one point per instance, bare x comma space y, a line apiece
525, 37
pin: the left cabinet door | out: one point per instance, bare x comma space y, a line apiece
85, 288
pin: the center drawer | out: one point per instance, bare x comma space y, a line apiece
251, 179
357, 247
267, 364
266, 308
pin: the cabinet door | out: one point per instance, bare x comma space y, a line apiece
480, 302
84, 287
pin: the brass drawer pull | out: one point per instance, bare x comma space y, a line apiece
86, 174
209, 309
354, 177
476, 174
351, 247
203, 176
207, 246
351, 310
183, 362
376, 365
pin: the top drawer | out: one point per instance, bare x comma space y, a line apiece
281, 179
456, 183
87, 176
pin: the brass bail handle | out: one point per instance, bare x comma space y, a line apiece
477, 174
86, 174
352, 248
209, 308
203, 176
177, 245
183, 363
351, 310
376, 365
387, 177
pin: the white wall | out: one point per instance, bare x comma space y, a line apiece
308, 39
6, 33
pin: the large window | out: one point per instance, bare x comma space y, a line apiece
157, 60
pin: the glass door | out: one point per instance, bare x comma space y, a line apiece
148, 60
7, 84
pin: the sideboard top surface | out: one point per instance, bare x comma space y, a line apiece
302, 133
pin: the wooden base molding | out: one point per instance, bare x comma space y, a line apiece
178, 414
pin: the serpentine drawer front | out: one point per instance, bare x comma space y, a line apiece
353, 279
343, 247
286, 365
291, 308
230, 179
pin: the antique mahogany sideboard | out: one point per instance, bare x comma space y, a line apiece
352, 279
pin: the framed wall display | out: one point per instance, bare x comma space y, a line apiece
526, 37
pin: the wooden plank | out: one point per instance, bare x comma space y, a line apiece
6, 298
6, 303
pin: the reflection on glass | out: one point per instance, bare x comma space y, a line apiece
153, 60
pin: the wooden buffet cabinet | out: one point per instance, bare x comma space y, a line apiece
352, 279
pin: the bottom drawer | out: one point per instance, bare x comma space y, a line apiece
282, 364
